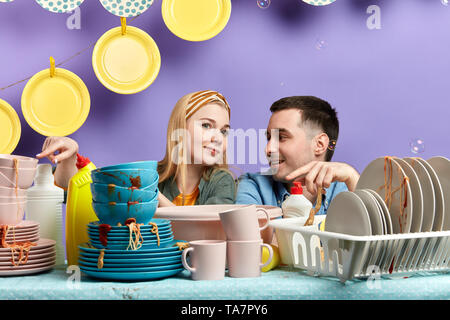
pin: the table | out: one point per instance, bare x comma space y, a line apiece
283, 283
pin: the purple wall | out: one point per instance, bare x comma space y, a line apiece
389, 86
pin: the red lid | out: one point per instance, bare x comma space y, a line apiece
82, 161
297, 188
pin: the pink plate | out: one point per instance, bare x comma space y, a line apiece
22, 239
30, 256
26, 224
32, 252
7, 265
21, 272
42, 243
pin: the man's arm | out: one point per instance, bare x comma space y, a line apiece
248, 191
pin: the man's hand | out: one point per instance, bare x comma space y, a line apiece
322, 173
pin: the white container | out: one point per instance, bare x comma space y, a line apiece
44, 205
296, 205
324, 253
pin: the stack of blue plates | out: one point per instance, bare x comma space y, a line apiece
118, 238
147, 263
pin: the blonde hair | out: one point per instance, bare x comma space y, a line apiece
167, 168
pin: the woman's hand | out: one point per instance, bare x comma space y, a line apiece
67, 149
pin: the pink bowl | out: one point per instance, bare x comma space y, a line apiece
12, 199
25, 177
12, 213
203, 222
7, 160
11, 192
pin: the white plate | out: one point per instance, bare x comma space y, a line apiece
428, 194
373, 177
441, 166
439, 208
417, 198
376, 222
347, 214
385, 210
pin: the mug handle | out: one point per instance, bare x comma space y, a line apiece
183, 259
267, 220
270, 254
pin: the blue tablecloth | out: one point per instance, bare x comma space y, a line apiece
280, 284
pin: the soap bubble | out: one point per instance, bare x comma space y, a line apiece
321, 44
263, 4
417, 145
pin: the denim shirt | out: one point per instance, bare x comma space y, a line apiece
260, 189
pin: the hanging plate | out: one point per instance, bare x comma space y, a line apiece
196, 20
128, 63
319, 2
126, 8
55, 106
10, 128
62, 6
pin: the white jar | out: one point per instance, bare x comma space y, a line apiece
44, 205
296, 205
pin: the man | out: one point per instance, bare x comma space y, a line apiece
308, 130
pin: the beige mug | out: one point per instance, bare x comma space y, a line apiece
207, 259
244, 258
242, 224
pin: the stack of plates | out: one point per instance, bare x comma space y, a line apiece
40, 258
142, 264
118, 238
25, 231
150, 261
417, 206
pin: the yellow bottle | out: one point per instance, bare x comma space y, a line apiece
79, 210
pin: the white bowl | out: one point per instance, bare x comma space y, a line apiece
7, 160
11, 192
24, 177
203, 222
12, 213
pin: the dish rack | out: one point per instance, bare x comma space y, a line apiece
346, 257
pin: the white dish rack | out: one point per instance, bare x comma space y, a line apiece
347, 257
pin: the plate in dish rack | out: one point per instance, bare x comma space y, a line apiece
347, 214
384, 176
441, 166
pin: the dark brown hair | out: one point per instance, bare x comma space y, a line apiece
315, 111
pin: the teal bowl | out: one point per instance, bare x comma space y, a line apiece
150, 165
112, 193
114, 213
137, 178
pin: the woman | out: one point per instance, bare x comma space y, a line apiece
194, 170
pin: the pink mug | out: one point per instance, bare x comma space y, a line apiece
207, 258
244, 258
242, 224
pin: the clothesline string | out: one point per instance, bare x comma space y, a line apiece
59, 64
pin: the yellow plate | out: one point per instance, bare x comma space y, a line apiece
127, 63
10, 128
55, 106
196, 20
